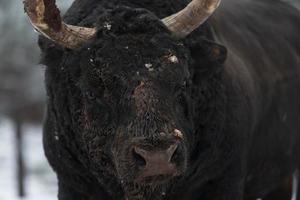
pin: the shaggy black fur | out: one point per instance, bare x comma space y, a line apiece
240, 115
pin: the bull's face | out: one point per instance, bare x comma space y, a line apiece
137, 101
136, 91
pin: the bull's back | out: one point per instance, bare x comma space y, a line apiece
264, 58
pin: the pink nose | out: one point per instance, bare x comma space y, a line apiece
155, 163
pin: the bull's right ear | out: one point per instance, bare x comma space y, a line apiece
208, 59
209, 51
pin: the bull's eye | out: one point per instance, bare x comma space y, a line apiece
90, 95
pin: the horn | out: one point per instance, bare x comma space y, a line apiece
45, 17
191, 17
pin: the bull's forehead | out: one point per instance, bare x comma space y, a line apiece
167, 68
124, 63
143, 55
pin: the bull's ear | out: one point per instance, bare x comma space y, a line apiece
209, 51
208, 59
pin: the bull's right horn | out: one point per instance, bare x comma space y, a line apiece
45, 17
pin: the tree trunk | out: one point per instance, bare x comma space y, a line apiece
20, 166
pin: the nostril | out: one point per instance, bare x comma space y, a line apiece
175, 155
138, 158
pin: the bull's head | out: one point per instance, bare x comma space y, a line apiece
135, 89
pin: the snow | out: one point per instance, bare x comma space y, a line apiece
40, 180
173, 59
149, 66
295, 185
107, 25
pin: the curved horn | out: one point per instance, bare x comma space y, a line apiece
45, 17
191, 17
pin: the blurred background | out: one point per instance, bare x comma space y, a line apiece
24, 171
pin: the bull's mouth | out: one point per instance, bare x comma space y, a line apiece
139, 191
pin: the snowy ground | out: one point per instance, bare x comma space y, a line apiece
40, 180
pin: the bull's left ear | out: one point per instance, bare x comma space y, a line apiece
210, 50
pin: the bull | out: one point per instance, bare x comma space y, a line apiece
146, 104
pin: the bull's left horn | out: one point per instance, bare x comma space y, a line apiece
45, 17
191, 17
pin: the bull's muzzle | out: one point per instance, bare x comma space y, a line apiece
156, 165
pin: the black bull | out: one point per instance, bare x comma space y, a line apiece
247, 129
